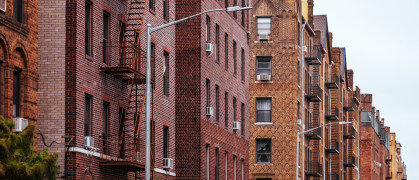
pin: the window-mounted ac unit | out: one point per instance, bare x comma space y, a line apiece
236, 125
263, 37
3, 5
20, 124
168, 163
264, 77
209, 48
88, 141
210, 111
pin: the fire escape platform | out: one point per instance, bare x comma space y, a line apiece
349, 108
126, 73
125, 165
313, 98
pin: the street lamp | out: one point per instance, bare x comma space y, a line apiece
304, 132
148, 78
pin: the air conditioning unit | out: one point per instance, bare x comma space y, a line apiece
137, 156
168, 163
88, 141
304, 48
236, 125
210, 111
263, 37
3, 5
20, 124
264, 77
209, 48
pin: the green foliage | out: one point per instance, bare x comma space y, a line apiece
17, 159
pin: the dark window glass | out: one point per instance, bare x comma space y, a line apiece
226, 3
88, 28
217, 103
243, 64
121, 39
166, 10
242, 128
234, 108
243, 13
263, 109
217, 43
226, 50
16, 93
165, 142
263, 150
151, 5
208, 29
264, 65
88, 115
106, 21
235, 12
106, 110
166, 74
235, 57
226, 109
121, 139
18, 10
208, 87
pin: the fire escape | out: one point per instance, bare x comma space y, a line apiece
129, 65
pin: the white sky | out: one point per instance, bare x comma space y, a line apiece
382, 47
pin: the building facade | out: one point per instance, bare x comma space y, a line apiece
397, 168
19, 60
211, 91
92, 87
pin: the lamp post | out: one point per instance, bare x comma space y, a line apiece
148, 78
304, 132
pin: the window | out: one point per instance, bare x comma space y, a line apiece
217, 163
106, 20
207, 161
243, 13
242, 120
242, 165
243, 66
166, 74
235, 57
234, 109
264, 65
121, 40
121, 142
264, 25
298, 72
208, 87
226, 109
234, 167
208, 29
263, 150
298, 110
226, 50
152, 5
263, 109
298, 33
166, 10
106, 109
217, 43
87, 115
165, 142
235, 12
226, 164
16, 93
217, 103
88, 28
226, 3
18, 10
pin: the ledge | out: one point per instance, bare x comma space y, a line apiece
14, 26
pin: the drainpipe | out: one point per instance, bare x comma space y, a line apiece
324, 128
302, 95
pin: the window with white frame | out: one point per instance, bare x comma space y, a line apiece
263, 109
264, 65
264, 27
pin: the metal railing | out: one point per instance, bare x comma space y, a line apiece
313, 168
333, 177
333, 114
349, 161
313, 55
315, 94
333, 83
349, 133
332, 147
315, 134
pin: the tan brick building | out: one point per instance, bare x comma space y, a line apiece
19, 59
397, 168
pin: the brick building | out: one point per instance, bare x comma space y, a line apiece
92, 75
397, 167
211, 91
19, 59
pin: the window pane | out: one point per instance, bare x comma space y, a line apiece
264, 71
264, 65
263, 150
264, 26
264, 104
264, 116
263, 107
264, 20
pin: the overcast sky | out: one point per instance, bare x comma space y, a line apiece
382, 47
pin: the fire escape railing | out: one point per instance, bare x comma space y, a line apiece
315, 94
334, 83
332, 147
333, 114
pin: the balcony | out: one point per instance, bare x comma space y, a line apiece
315, 134
389, 158
333, 115
313, 169
334, 84
351, 107
314, 56
349, 133
126, 62
332, 147
350, 161
333, 176
356, 100
315, 94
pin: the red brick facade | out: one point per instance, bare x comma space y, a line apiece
195, 132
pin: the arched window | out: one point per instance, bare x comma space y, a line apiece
19, 62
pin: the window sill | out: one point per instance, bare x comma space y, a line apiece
262, 42
263, 123
88, 57
264, 164
263, 82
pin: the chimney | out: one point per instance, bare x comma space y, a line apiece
350, 78
366, 102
